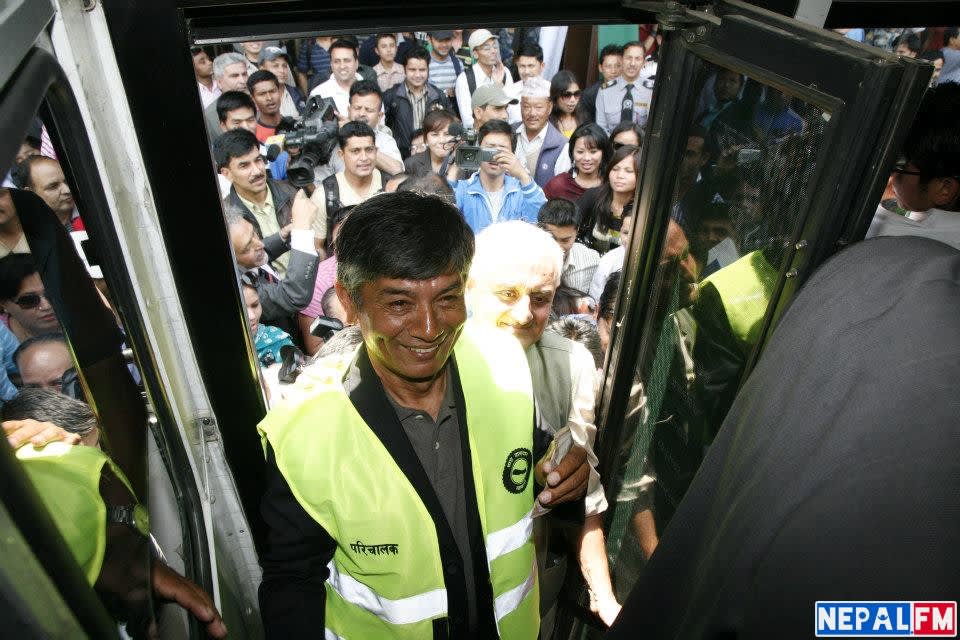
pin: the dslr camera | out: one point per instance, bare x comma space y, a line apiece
315, 134
470, 155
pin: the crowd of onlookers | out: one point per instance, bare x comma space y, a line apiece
554, 151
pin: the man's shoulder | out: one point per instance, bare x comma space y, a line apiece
585, 253
609, 84
553, 341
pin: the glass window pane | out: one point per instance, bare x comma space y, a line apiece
738, 197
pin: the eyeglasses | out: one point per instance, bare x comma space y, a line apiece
571, 94
30, 300
486, 48
901, 168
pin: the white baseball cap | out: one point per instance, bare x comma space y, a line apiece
478, 37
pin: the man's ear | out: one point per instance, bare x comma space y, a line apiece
947, 194
225, 172
346, 300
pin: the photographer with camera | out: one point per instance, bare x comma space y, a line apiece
359, 180
501, 189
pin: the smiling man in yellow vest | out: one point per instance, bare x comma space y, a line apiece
400, 491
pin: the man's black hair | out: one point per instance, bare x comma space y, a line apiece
43, 338
497, 126
47, 405
949, 34
933, 142
380, 36
13, 269
608, 299
912, 41
20, 175
634, 43
233, 144
231, 101
610, 50
342, 43
365, 88
580, 330
429, 184
530, 49
559, 212
419, 52
930, 55
326, 298
355, 129
259, 76
402, 235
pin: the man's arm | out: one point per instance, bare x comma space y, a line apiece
389, 159
601, 114
298, 549
464, 100
294, 292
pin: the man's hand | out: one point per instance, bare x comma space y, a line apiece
511, 163
170, 585
566, 482
499, 73
39, 434
303, 212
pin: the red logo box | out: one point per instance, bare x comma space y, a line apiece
935, 619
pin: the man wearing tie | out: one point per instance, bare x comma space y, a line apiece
626, 98
280, 298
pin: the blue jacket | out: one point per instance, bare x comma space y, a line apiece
519, 203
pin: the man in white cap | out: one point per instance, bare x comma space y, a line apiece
490, 103
489, 69
541, 148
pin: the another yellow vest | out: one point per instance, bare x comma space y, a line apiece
744, 288
67, 478
386, 577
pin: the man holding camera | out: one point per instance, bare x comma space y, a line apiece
502, 189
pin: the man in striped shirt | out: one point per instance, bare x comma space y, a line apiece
444, 67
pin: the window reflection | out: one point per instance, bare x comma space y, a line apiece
738, 196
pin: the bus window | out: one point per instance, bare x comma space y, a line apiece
738, 198
61, 341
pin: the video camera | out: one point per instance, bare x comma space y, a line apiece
469, 155
315, 133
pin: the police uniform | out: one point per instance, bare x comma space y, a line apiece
616, 102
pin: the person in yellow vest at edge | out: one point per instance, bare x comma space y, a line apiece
96, 513
400, 488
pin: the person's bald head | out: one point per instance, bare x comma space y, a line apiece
44, 176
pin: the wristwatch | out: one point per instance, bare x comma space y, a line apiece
132, 515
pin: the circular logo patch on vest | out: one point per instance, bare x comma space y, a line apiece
628, 104
516, 471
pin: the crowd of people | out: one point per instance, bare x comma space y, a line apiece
529, 240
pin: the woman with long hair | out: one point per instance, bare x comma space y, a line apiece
565, 95
438, 143
602, 208
589, 150
626, 133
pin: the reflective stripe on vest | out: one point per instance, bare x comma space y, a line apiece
344, 477
425, 606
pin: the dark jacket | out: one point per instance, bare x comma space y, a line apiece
553, 145
418, 164
399, 112
281, 300
283, 203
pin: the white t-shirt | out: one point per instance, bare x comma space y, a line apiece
496, 203
937, 225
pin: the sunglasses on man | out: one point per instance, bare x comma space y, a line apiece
30, 300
